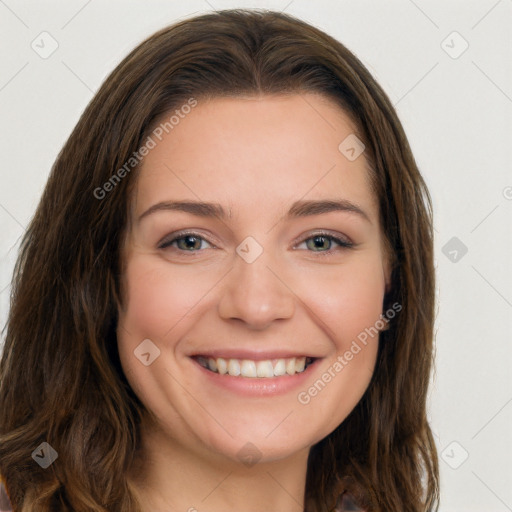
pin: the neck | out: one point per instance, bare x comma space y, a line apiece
170, 476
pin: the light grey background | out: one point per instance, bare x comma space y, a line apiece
456, 109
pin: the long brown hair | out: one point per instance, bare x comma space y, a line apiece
61, 380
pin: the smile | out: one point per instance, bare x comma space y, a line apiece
249, 368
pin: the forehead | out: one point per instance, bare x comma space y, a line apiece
255, 151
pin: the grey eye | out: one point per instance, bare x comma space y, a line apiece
319, 243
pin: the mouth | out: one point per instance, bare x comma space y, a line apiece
255, 369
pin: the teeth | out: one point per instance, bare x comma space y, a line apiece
264, 369
234, 367
247, 368
253, 369
222, 366
290, 366
280, 367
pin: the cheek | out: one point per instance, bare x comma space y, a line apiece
347, 303
159, 304
347, 300
158, 299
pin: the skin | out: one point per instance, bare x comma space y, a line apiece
255, 156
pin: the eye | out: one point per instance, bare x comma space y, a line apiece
323, 242
188, 242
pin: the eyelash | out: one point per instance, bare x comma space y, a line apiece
343, 244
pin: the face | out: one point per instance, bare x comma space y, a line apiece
254, 250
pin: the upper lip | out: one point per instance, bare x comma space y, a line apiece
254, 355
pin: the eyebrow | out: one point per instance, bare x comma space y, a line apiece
298, 209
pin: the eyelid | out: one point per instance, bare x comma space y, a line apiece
172, 237
344, 241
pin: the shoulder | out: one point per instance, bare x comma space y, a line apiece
347, 504
5, 503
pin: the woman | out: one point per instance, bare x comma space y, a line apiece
226, 296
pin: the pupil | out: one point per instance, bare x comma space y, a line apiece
190, 242
321, 242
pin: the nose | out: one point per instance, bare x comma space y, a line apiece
256, 295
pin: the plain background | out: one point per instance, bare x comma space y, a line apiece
456, 107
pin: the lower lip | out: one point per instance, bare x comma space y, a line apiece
258, 386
